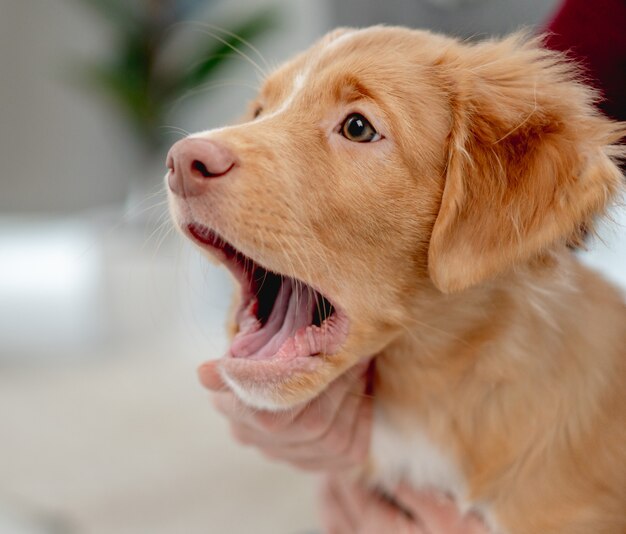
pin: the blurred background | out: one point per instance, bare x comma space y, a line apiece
104, 311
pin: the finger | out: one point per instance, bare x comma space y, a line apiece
313, 465
335, 443
378, 515
265, 426
210, 377
474, 525
245, 429
243, 416
359, 446
311, 456
333, 511
440, 514
358, 499
351, 508
352, 414
304, 423
228, 404
384, 518
315, 420
436, 511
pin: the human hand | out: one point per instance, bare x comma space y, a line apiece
348, 507
330, 432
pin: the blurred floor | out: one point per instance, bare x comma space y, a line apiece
114, 434
105, 429
130, 444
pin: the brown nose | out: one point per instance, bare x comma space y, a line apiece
192, 163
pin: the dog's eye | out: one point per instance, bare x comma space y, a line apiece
257, 111
357, 128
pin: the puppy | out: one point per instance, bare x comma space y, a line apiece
406, 195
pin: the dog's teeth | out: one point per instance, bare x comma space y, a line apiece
249, 324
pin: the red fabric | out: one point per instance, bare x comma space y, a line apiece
594, 32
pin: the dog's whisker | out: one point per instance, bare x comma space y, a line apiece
239, 38
175, 130
168, 231
236, 50
155, 232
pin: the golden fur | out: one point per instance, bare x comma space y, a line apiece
447, 246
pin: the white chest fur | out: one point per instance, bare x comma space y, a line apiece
408, 454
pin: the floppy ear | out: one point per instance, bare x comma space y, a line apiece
529, 160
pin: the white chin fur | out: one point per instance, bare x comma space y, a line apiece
253, 398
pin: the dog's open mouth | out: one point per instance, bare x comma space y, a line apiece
279, 317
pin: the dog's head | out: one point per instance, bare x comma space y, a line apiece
377, 167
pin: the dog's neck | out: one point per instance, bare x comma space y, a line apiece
507, 332
530, 297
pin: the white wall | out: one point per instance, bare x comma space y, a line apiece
60, 149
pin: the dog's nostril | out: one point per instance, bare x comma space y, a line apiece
201, 168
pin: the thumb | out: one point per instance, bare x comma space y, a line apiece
210, 377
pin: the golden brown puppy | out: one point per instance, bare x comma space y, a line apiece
402, 194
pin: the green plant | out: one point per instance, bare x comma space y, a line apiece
139, 76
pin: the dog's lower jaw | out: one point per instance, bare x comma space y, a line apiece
269, 385
276, 396
252, 397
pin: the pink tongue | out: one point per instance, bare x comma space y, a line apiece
292, 310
